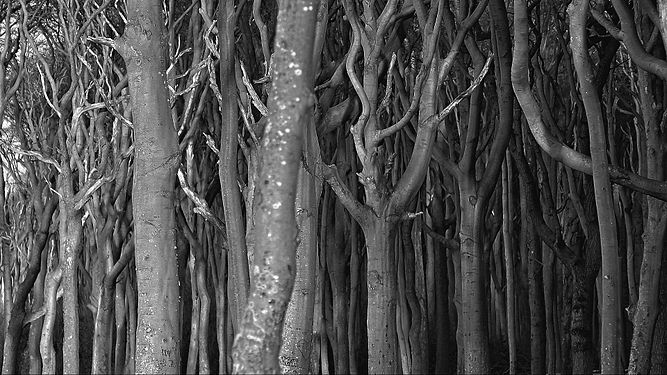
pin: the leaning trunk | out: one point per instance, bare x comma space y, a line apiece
257, 345
298, 327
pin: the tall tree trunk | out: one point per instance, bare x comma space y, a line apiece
583, 356
6, 254
36, 326
509, 260
143, 47
46, 342
474, 313
655, 225
231, 197
257, 345
381, 286
610, 312
71, 234
298, 327
659, 349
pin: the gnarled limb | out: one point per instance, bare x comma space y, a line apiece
550, 144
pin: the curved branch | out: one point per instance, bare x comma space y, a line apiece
552, 146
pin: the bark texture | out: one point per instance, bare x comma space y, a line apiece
143, 47
257, 345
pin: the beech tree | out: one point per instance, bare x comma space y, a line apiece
333, 186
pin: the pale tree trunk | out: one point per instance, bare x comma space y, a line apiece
610, 314
156, 155
648, 306
473, 318
231, 196
257, 345
5, 253
46, 342
71, 234
381, 286
36, 326
298, 327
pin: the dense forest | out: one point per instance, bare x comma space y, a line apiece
333, 186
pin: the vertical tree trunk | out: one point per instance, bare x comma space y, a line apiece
536, 301
257, 345
231, 197
445, 357
36, 326
381, 286
5, 253
583, 356
46, 342
71, 234
473, 318
509, 261
655, 225
610, 314
659, 349
143, 47
549, 308
298, 327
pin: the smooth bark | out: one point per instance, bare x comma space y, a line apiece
231, 196
143, 46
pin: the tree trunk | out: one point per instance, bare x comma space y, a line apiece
298, 327
659, 349
610, 312
6, 254
102, 353
509, 260
474, 313
257, 346
156, 158
231, 196
71, 234
655, 225
536, 301
36, 326
46, 342
381, 309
